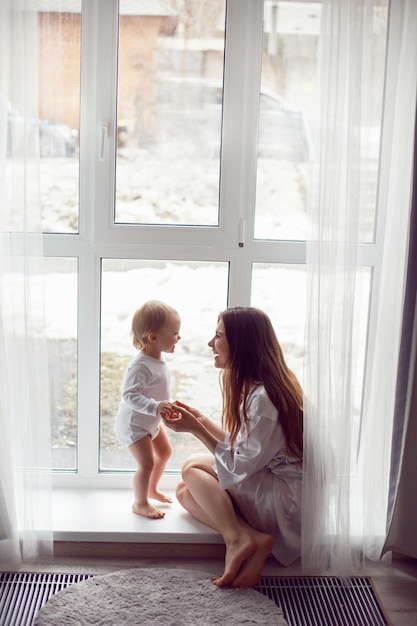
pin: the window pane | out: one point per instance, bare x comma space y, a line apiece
285, 303
59, 95
198, 290
48, 127
280, 291
170, 74
289, 120
46, 288
61, 327
51, 287
288, 75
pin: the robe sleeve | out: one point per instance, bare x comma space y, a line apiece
253, 449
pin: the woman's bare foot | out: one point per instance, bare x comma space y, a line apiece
236, 554
161, 497
251, 570
147, 511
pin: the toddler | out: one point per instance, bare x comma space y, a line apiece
145, 399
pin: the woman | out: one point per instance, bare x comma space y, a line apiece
249, 487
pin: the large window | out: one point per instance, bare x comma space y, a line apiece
184, 176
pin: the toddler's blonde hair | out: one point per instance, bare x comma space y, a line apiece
149, 318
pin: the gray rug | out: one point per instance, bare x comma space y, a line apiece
157, 597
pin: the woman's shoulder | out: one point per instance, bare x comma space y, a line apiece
259, 401
258, 391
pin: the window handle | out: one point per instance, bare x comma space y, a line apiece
104, 134
242, 229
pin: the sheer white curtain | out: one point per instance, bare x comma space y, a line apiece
347, 450
402, 510
25, 476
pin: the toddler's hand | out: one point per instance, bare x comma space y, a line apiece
165, 409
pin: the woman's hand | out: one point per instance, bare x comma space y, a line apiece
199, 416
213, 428
181, 419
185, 419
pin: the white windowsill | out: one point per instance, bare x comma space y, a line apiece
105, 515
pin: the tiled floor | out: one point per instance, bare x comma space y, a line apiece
94, 528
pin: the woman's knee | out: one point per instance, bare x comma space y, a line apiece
185, 498
199, 460
181, 492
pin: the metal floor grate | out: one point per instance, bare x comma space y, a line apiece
324, 601
22, 594
305, 601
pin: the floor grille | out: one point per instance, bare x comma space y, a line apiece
22, 594
305, 601
324, 601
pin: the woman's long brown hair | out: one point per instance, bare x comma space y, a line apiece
256, 358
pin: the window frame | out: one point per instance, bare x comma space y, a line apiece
100, 238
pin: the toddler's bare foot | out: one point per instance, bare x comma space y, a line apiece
147, 511
236, 554
251, 570
161, 497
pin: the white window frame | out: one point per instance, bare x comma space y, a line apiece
100, 238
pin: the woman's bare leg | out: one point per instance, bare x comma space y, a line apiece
186, 500
162, 450
200, 494
251, 570
142, 452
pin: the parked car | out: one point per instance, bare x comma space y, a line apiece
56, 139
283, 130
194, 106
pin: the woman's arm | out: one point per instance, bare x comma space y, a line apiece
255, 447
187, 422
216, 430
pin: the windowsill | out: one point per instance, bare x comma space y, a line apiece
105, 515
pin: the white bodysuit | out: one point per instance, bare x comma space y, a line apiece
262, 479
147, 382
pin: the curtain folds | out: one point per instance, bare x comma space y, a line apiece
25, 457
348, 428
402, 509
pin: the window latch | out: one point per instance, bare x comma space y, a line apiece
104, 134
242, 228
